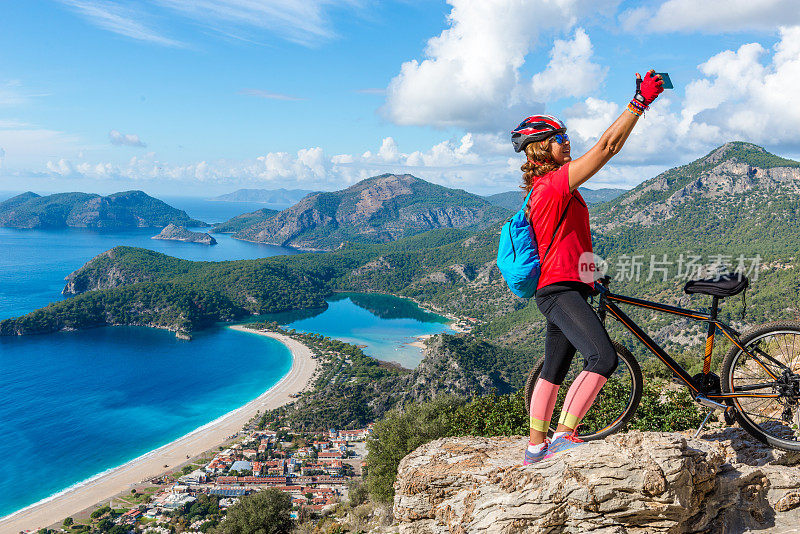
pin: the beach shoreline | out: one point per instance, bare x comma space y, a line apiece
121, 479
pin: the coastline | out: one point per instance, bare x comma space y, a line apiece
109, 483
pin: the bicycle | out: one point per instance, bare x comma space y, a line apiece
759, 386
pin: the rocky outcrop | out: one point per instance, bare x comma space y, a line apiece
379, 209
736, 177
173, 232
103, 272
641, 482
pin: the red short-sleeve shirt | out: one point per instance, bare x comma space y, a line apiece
548, 200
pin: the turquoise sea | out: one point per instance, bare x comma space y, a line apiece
79, 403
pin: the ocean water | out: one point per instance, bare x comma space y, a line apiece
384, 325
78, 403
33, 263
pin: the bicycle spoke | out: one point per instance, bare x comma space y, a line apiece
774, 352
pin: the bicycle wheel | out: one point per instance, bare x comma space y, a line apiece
615, 404
773, 420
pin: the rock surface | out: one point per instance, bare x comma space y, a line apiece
735, 178
641, 482
379, 209
172, 232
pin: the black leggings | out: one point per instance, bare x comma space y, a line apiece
573, 324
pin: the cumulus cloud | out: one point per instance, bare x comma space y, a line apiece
749, 96
712, 16
472, 161
118, 138
743, 94
470, 76
570, 71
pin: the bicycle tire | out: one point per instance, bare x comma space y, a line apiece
757, 417
628, 371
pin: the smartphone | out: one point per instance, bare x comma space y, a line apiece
667, 81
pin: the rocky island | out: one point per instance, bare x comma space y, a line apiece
119, 211
173, 232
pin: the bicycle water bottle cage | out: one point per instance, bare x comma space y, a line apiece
726, 285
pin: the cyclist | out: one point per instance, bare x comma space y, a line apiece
561, 294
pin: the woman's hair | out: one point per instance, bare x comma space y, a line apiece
539, 162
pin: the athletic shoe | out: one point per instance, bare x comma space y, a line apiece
563, 443
534, 457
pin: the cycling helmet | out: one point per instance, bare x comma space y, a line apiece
535, 128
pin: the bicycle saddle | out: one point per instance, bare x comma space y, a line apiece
727, 285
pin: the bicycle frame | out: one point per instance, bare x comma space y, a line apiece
700, 391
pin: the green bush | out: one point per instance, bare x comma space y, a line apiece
399, 433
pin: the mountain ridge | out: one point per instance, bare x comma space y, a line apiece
378, 209
731, 169
122, 210
513, 199
279, 196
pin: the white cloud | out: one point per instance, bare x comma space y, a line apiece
570, 71
25, 144
745, 97
118, 138
260, 93
713, 16
121, 19
470, 75
61, 167
456, 163
12, 94
305, 22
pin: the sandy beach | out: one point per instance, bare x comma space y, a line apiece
147, 466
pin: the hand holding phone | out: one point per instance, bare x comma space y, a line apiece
667, 81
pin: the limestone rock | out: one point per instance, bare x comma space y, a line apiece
178, 233
640, 482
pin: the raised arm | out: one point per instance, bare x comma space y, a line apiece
614, 137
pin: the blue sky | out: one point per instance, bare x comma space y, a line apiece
204, 97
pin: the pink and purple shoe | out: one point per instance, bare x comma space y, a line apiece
563, 443
534, 457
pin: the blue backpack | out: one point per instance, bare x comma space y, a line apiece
518, 252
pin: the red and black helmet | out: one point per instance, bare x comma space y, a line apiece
535, 128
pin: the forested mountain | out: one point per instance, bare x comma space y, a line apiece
512, 200
454, 269
243, 221
128, 209
277, 197
375, 210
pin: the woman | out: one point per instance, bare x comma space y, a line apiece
560, 220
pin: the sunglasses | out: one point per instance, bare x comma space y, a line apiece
560, 138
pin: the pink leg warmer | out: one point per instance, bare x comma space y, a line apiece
543, 401
580, 397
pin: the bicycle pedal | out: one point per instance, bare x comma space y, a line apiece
729, 418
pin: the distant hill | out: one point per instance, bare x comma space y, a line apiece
376, 210
245, 220
128, 209
277, 197
513, 199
